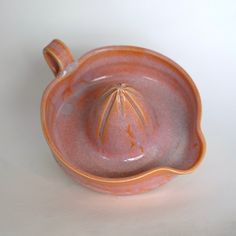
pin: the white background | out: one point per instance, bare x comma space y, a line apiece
36, 197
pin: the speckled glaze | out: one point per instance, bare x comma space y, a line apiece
121, 119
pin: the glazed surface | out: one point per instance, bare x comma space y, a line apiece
167, 138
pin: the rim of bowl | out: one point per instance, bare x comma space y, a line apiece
151, 172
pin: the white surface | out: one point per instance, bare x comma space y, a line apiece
36, 197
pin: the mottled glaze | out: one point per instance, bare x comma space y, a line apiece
121, 119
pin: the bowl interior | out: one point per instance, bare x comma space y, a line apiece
166, 91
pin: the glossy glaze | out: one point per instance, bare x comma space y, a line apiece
122, 119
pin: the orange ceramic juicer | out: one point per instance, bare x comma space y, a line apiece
121, 119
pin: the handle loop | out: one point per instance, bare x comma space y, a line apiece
58, 56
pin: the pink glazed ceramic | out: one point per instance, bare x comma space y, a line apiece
121, 119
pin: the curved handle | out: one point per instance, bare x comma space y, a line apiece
58, 56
